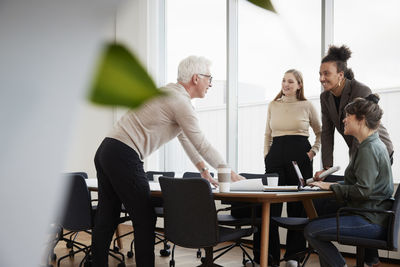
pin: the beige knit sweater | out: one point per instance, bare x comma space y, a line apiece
290, 116
160, 120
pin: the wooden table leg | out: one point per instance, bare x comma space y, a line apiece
264, 234
310, 209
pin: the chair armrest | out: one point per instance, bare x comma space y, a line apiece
347, 209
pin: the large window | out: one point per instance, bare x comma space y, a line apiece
372, 35
269, 45
199, 28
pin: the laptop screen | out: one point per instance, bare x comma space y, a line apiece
302, 182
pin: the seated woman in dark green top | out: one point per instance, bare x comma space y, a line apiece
368, 183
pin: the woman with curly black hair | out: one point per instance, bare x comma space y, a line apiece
340, 88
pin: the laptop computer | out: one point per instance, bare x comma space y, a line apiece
302, 182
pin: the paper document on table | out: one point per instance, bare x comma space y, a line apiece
154, 186
247, 185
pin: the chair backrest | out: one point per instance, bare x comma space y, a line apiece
395, 223
190, 217
77, 212
150, 174
194, 175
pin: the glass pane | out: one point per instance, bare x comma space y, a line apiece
373, 37
269, 45
199, 28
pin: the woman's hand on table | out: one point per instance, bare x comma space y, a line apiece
322, 185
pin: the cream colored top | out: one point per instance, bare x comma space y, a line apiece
290, 116
160, 120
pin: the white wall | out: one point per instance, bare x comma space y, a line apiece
129, 26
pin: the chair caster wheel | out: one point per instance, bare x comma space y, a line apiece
244, 261
116, 249
165, 252
198, 254
129, 254
69, 244
171, 263
202, 259
167, 246
71, 254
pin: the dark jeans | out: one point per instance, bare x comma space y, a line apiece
349, 225
121, 179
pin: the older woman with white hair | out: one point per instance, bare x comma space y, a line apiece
120, 173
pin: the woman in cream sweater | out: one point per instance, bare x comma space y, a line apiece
290, 116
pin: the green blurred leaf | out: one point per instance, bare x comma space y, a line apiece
121, 80
266, 4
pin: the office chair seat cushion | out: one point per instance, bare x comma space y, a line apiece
356, 241
291, 223
229, 234
229, 220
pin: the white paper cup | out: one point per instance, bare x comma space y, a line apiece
156, 176
272, 181
224, 178
224, 187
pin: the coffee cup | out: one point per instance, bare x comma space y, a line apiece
155, 177
272, 181
224, 178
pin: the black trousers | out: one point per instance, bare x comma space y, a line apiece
122, 180
283, 151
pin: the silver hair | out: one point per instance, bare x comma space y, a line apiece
192, 65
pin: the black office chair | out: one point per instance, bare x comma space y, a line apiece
242, 215
72, 235
391, 241
190, 217
158, 209
196, 175
77, 216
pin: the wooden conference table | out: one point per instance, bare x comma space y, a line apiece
265, 199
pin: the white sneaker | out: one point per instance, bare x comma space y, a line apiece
248, 264
291, 263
